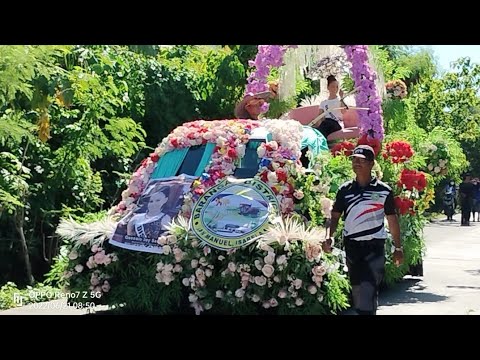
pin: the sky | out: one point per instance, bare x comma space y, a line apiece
448, 53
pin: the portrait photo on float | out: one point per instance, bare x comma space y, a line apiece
158, 205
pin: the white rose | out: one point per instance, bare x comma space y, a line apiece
312, 289
437, 169
186, 281
171, 239
177, 268
162, 240
221, 257
167, 249
203, 261
208, 273
219, 294
73, 255
272, 177
299, 302
282, 259
268, 270
208, 306
258, 264
79, 268
297, 283
277, 279
270, 258
194, 263
239, 293
192, 298
320, 298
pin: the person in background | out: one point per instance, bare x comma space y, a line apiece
449, 200
476, 199
466, 196
333, 120
252, 105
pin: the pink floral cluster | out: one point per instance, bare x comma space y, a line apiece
280, 162
200, 269
99, 283
268, 283
165, 272
371, 121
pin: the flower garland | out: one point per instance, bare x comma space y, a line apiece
230, 136
330, 65
371, 121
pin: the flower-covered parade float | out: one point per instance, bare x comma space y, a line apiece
229, 216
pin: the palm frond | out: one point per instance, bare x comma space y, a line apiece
86, 234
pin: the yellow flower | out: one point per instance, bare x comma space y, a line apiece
44, 126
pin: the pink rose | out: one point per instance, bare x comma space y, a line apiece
297, 283
319, 270
270, 258
178, 254
273, 302
282, 294
260, 280
94, 280
232, 267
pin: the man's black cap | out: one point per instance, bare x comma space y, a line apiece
364, 152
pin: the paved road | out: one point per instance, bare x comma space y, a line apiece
451, 282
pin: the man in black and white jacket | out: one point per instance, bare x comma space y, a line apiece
364, 203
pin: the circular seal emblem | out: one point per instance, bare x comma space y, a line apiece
233, 213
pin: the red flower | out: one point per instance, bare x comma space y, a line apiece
232, 153
398, 151
412, 179
174, 142
345, 148
281, 175
374, 143
404, 205
154, 157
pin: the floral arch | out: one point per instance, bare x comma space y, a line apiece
362, 73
